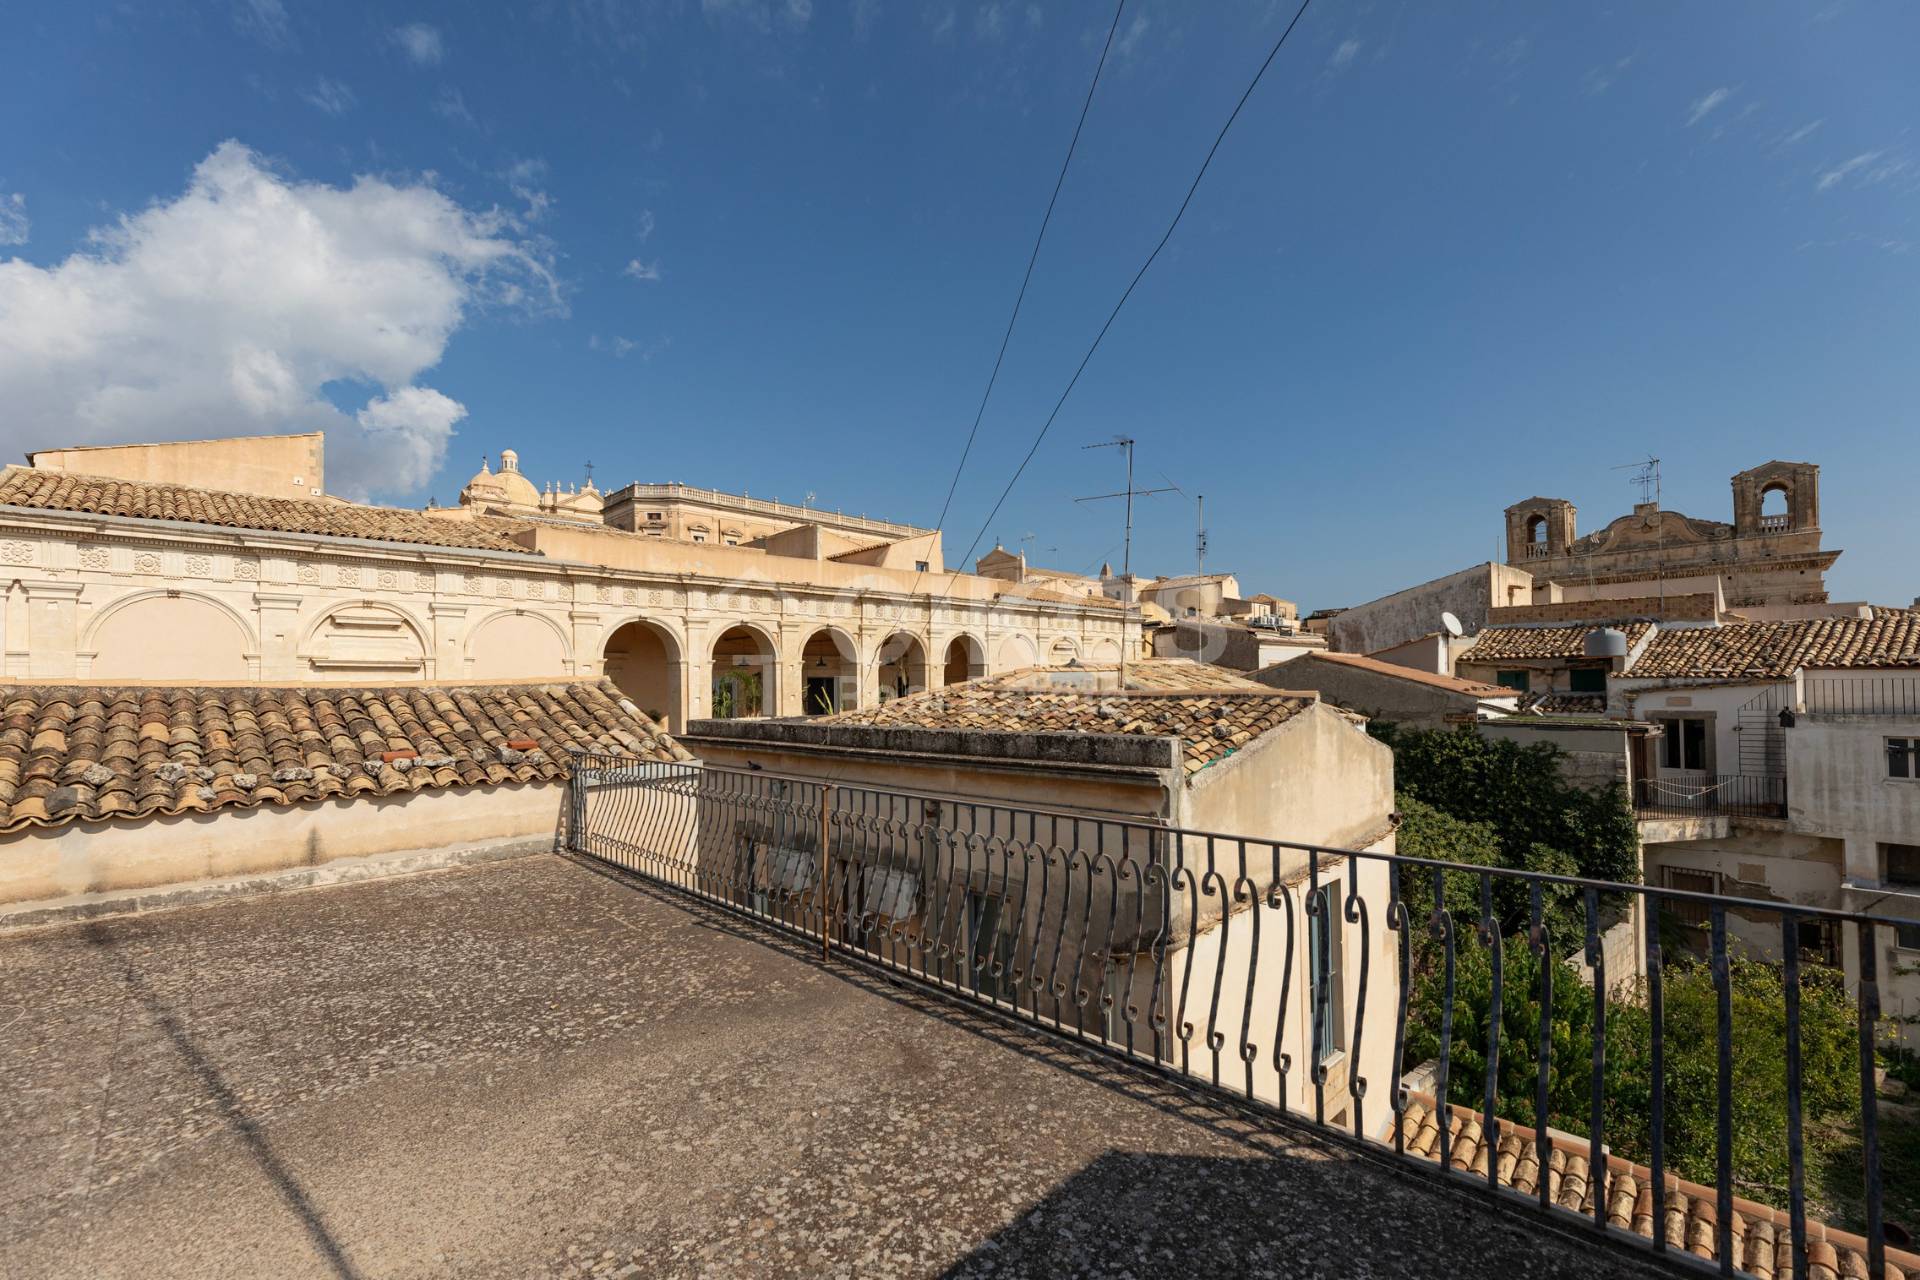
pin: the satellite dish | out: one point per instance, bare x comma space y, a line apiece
1452, 624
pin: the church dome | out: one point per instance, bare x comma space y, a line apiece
517, 490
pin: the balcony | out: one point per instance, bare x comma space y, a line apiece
1535, 551
1857, 695
1776, 524
1711, 796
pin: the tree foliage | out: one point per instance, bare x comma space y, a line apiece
1758, 1081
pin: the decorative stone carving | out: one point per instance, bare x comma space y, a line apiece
503, 586
388, 580
200, 566
348, 575
653, 597
92, 557
14, 551
146, 562
309, 574
246, 570
472, 584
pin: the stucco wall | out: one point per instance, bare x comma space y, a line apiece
1412, 613
273, 466
1319, 778
1837, 781
1376, 696
95, 857
1591, 758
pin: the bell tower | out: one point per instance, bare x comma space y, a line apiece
1539, 529
1797, 482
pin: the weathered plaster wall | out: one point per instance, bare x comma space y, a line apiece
94, 857
1412, 613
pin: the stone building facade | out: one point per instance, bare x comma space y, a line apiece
117, 578
1769, 556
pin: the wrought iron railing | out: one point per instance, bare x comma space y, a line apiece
1880, 695
1305, 982
1735, 795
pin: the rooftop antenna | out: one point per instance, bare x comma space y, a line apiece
1647, 476
1125, 445
1200, 537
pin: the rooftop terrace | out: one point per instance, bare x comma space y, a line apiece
535, 1068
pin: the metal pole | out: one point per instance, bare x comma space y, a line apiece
826, 920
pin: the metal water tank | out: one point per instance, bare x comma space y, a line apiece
1607, 642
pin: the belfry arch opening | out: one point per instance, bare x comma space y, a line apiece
1537, 530
643, 661
1776, 506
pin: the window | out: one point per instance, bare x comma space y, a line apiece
655, 516
1903, 757
1587, 679
1685, 744
1907, 937
1683, 910
919, 566
1902, 862
699, 537
732, 542
1514, 680
1324, 956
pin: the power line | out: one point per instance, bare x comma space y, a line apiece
1114, 314
1032, 258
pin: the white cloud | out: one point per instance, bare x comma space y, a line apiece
1801, 134
421, 43
864, 13
255, 302
1344, 55
330, 96
1835, 176
1702, 106
1125, 44
990, 23
450, 104
264, 20
1869, 168
643, 271
646, 225
15, 226
760, 14
1600, 79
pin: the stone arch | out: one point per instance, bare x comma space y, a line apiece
170, 635
1016, 652
1106, 653
1063, 650
743, 670
1536, 530
645, 661
518, 644
829, 672
901, 664
966, 659
1776, 504
365, 638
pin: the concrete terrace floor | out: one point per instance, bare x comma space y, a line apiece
531, 1068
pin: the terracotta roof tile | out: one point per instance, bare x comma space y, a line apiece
1778, 649
1762, 1237
1502, 644
71, 752
1452, 684
99, 495
1213, 712
1564, 704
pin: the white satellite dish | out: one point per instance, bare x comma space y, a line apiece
1452, 624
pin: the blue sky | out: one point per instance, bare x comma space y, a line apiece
1450, 257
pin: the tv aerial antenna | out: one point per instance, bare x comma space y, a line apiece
1125, 445
1646, 476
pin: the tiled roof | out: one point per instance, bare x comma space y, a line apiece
1564, 704
1503, 644
1762, 1236
1433, 679
1214, 715
81, 752
1777, 649
101, 496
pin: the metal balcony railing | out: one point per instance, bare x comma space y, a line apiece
1889, 695
1734, 795
1304, 982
